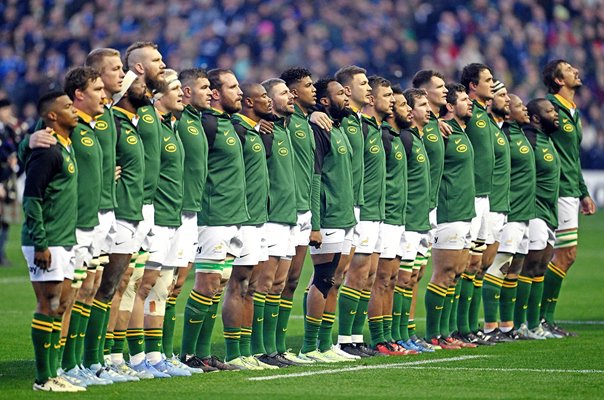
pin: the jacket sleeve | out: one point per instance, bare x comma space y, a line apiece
322, 148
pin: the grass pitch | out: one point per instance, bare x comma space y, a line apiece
571, 367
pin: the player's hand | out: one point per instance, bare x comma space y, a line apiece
321, 119
42, 259
315, 239
118, 172
588, 206
445, 129
265, 127
42, 139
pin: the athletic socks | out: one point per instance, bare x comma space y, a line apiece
204, 342
258, 323
153, 344
69, 360
388, 328
245, 342
136, 341
397, 305
232, 337
551, 290
311, 334
101, 348
522, 297
271, 315
446, 312
474, 310
376, 330
453, 314
535, 302
83, 326
358, 324
348, 303
117, 351
94, 332
55, 346
195, 313
41, 332
491, 294
324, 336
463, 308
435, 298
508, 299
406, 326
285, 309
169, 325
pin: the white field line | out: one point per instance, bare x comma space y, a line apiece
364, 368
538, 370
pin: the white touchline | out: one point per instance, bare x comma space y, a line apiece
564, 371
365, 367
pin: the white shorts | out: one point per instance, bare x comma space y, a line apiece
148, 223
84, 248
215, 244
514, 238
478, 228
334, 241
280, 239
161, 246
184, 244
254, 245
540, 235
433, 225
494, 227
128, 237
415, 242
104, 233
303, 228
366, 237
62, 264
392, 241
453, 236
568, 213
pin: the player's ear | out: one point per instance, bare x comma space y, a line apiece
215, 94
449, 107
186, 91
324, 101
347, 91
294, 92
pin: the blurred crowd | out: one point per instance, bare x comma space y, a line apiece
41, 39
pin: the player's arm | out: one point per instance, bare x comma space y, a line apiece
588, 206
387, 141
210, 127
322, 148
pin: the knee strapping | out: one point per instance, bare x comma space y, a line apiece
155, 304
478, 247
501, 265
323, 278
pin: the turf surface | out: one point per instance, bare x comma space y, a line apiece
572, 367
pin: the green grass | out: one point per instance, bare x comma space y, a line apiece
572, 367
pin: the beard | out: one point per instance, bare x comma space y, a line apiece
338, 113
137, 100
401, 122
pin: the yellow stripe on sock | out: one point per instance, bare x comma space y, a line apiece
313, 320
552, 267
376, 319
467, 277
494, 280
525, 279
477, 282
366, 294
43, 323
355, 294
538, 279
437, 289
200, 299
41, 327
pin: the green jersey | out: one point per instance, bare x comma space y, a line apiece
396, 176
547, 168
104, 129
256, 172
499, 198
482, 138
351, 125
223, 202
522, 174
50, 196
418, 182
435, 148
87, 150
167, 203
333, 196
149, 131
195, 144
567, 140
130, 156
303, 144
457, 192
374, 174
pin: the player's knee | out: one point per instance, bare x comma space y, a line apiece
323, 278
292, 283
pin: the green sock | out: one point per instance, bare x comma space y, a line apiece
397, 305
463, 308
407, 326
435, 299
119, 341
475, 305
82, 328
348, 303
304, 298
491, 294
69, 360
446, 312
311, 334
136, 340
108, 345
376, 330
94, 332
258, 323
169, 325
245, 342
41, 332
388, 328
61, 350
204, 343
522, 296
508, 299
231, 340
153, 339
358, 324
535, 302
271, 315
325, 331
55, 347
453, 314
285, 309
195, 313
551, 290
101, 353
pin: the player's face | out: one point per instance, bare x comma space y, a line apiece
383, 101
421, 111
518, 111
172, 99
112, 74
570, 76
229, 94
65, 113
549, 117
501, 102
484, 88
437, 91
360, 91
137, 92
263, 105
153, 65
283, 100
201, 94
94, 97
306, 92
337, 96
401, 109
463, 107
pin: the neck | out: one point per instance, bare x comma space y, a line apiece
393, 124
126, 105
567, 93
373, 113
302, 108
59, 130
418, 126
355, 106
108, 94
435, 108
479, 99
78, 106
161, 108
461, 122
216, 105
251, 114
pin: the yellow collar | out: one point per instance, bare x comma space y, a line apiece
128, 113
483, 105
248, 120
568, 104
65, 141
356, 110
87, 118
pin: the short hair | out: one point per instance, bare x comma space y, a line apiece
321, 86
413, 94
376, 81
136, 46
294, 75
397, 89
424, 77
534, 106
95, 58
471, 74
79, 78
215, 77
345, 74
269, 84
170, 76
550, 73
189, 75
46, 100
454, 90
